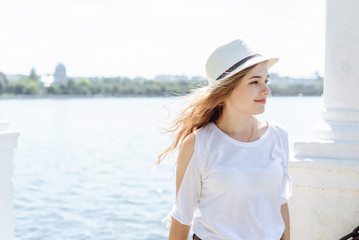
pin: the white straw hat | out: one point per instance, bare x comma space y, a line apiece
232, 58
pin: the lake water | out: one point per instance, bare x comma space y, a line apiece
83, 168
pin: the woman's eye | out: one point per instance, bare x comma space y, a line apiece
256, 82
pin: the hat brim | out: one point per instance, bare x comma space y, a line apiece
249, 63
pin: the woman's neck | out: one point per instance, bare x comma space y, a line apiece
236, 124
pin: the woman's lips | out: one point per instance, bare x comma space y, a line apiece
261, 101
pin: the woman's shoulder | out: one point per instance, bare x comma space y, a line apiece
278, 127
204, 133
189, 141
186, 151
207, 128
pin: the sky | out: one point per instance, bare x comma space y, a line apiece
145, 38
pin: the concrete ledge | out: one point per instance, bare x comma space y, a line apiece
325, 197
326, 173
350, 165
328, 149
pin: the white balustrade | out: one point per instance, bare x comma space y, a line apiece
8, 141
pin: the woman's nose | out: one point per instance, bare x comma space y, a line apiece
266, 90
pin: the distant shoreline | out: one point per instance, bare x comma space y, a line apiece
71, 96
109, 96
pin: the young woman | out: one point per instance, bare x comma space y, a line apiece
231, 166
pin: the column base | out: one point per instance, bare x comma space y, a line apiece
325, 197
330, 139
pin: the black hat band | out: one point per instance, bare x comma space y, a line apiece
235, 66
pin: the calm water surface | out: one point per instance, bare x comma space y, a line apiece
83, 167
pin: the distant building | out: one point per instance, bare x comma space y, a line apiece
60, 74
174, 78
288, 81
171, 78
13, 78
198, 79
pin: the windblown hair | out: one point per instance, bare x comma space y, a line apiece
205, 105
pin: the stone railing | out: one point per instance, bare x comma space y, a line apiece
8, 141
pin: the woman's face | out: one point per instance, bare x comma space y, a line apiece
249, 96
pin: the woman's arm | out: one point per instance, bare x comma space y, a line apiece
180, 231
285, 215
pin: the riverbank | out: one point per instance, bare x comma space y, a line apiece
67, 96
72, 96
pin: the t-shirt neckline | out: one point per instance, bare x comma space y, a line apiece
261, 139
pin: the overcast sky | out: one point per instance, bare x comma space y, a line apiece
150, 37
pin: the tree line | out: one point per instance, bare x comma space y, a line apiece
123, 86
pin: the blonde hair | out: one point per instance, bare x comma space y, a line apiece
205, 105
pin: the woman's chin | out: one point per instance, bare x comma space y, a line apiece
260, 111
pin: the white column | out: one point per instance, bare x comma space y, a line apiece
325, 165
8, 141
337, 134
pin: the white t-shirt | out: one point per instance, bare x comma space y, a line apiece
238, 187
